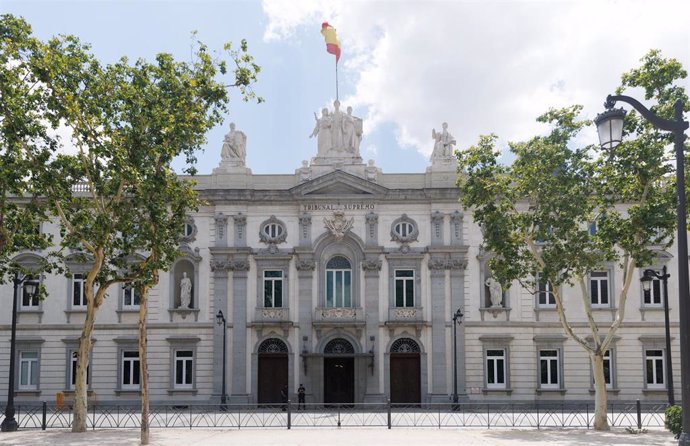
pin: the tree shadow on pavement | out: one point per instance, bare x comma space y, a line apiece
579, 437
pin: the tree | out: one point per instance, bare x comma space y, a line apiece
23, 127
118, 196
536, 213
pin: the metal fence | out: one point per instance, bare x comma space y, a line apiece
465, 415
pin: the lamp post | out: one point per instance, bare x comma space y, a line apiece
457, 319
648, 276
9, 424
610, 129
220, 319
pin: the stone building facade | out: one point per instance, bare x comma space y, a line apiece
342, 278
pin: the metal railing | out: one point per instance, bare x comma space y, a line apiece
242, 416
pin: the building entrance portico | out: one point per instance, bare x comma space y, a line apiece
405, 380
273, 371
339, 372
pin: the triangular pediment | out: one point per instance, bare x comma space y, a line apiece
338, 183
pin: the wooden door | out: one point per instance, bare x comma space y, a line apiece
405, 379
273, 375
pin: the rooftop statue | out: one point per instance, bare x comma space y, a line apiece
338, 134
443, 143
234, 147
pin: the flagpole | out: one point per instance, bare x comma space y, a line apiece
336, 79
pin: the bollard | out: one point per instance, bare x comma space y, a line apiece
289, 414
44, 422
389, 413
639, 414
536, 406
338, 416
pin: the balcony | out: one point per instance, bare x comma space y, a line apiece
405, 316
338, 316
271, 316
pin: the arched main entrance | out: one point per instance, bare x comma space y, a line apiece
273, 370
405, 372
339, 372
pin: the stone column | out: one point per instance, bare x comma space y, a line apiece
240, 267
240, 230
457, 300
437, 228
439, 321
456, 234
372, 267
220, 267
305, 273
372, 237
221, 230
305, 230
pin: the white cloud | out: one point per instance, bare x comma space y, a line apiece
484, 66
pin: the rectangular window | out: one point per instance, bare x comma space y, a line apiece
495, 369
130, 297
73, 370
28, 370
599, 288
29, 301
404, 288
608, 369
273, 289
654, 369
549, 369
338, 284
184, 368
130, 370
545, 297
652, 298
78, 296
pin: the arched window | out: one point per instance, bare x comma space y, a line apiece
273, 345
405, 345
338, 282
339, 346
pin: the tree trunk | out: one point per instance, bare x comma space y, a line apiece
601, 422
144, 369
80, 386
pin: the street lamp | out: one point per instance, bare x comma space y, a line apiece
612, 121
9, 424
220, 320
457, 319
647, 277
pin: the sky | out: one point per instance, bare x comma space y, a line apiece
406, 66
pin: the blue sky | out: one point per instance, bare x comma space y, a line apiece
406, 66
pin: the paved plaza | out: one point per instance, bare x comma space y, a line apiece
338, 437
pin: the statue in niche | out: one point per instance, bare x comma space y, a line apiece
185, 291
234, 146
495, 292
322, 130
443, 143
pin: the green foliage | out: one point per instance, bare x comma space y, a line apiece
536, 212
118, 198
24, 137
674, 420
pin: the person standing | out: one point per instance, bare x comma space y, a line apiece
284, 397
301, 391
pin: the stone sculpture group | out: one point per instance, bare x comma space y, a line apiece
337, 133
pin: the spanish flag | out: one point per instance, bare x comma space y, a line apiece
332, 44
